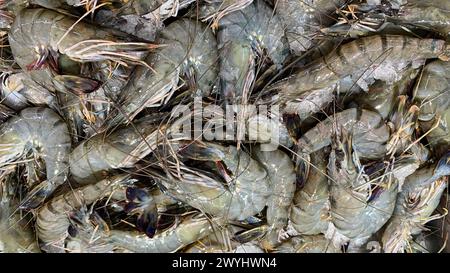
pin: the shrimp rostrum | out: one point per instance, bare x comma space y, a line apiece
415, 205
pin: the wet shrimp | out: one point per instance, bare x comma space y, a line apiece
120, 149
415, 205
381, 97
189, 51
248, 186
369, 131
280, 171
51, 48
361, 62
434, 15
361, 203
310, 210
16, 234
190, 230
303, 20
432, 95
243, 35
41, 131
143, 18
52, 221
20, 92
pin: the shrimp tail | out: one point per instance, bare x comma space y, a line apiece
252, 234
302, 169
141, 203
76, 85
197, 150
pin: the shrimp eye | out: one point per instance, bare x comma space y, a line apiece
412, 202
72, 231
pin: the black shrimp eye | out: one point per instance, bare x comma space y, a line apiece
130, 194
72, 231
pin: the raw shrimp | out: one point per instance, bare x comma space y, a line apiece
438, 132
42, 131
434, 16
381, 97
16, 234
268, 130
19, 92
188, 231
361, 61
310, 209
432, 94
369, 132
243, 35
120, 149
248, 186
282, 180
432, 91
141, 18
303, 20
360, 204
416, 202
189, 50
51, 47
52, 221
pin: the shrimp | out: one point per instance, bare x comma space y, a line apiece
432, 90
415, 204
16, 235
51, 47
141, 18
302, 20
189, 50
308, 244
438, 132
120, 149
360, 204
310, 209
248, 186
190, 230
361, 61
42, 131
282, 180
20, 92
432, 94
52, 220
381, 97
434, 16
369, 133
372, 137
243, 35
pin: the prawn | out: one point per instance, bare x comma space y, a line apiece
43, 132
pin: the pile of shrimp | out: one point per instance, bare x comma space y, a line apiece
103, 147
